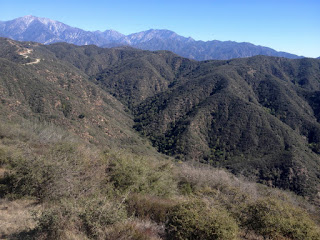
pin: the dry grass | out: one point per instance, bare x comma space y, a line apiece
136, 230
232, 191
149, 207
219, 179
16, 217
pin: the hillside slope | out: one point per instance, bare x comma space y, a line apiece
55, 92
255, 116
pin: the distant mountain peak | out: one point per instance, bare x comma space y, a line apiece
37, 26
26, 20
112, 30
29, 19
152, 34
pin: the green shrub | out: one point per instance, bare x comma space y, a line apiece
98, 213
85, 217
3, 157
31, 177
64, 171
275, 219
54, 222
195, 220
131, 173
186, 188
149, 207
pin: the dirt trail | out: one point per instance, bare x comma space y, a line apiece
35, 62
25, 54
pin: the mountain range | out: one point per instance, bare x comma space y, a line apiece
256, 116
46, 31
108, 136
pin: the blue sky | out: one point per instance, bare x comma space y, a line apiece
285, 25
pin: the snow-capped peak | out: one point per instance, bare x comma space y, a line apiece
46, 21
27, 20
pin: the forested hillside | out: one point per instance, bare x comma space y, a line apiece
129, 144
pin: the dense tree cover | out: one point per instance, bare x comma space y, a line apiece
249, 115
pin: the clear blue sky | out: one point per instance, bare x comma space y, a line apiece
285, 25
